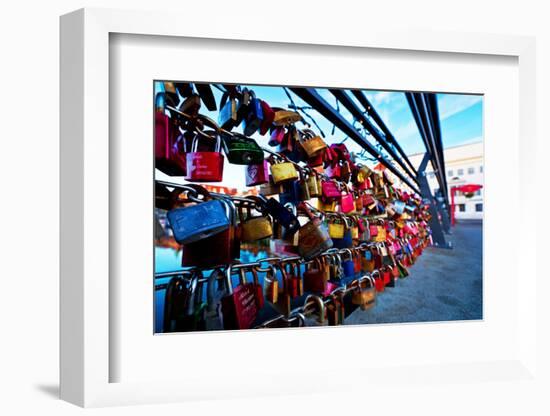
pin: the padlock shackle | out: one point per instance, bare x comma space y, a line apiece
320, 307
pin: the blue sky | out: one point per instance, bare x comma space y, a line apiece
461, 119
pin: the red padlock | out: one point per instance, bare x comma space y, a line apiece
378, 281
257, 174
205, 166
334, 170
239, 308
277, 136
169, 152
269, 116
314, 277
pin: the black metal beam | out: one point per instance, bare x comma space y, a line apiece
310, 96
424, 115
362, 98
434, 113
347, 102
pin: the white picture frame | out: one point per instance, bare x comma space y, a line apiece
85, 344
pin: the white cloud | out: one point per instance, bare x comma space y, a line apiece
451, 104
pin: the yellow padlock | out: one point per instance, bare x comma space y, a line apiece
335, 229
283, 171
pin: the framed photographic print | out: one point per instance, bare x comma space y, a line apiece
216, 191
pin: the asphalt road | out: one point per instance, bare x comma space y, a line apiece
443, 285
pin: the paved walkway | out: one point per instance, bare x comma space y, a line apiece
443, 285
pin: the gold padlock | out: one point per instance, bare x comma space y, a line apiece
282, 171
313, 183
326, 206
286, 117
311, 143
335, 228
254, 228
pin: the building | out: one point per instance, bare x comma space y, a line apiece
464, 165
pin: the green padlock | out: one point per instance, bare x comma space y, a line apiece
242, 150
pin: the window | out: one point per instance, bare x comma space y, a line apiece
460, 172
479, 207
461, 207
470, 171
450, 173
481, 169
478, 192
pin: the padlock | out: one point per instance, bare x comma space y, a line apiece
314, 277
294, 284
380, 233
314, 304
282, 215
378, 281
317, 161
245, 100
253, 120
357, 254
169, 146
358, 200
330, 190
346, 171
347, 263
311, 143
313, 183
354, 228
386, 276
227, 118
301, 189
347, 203
335, 227
271, 285
286, 117
239, 308
335, 308
179, 301
326, 205
313, 236
268, 116
333, 170
282, 170
216, 289
403, 272
346, 241
257, 174
277, 136
258, 289
254, 228
221, 248
205, 166
367, 262
242, 150
199, 221
284, 298
363, 296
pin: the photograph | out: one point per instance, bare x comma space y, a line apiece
280, 206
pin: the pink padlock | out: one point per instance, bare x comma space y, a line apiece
347, 203
257, 174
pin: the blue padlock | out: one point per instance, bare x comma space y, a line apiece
197, 222
347, 263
